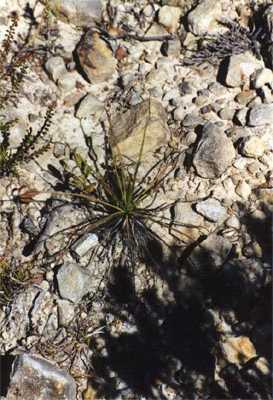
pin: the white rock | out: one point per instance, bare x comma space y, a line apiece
185, 214
66, 312
82, 13
67, 81
55, 67
212, 210
169, 17
243, 190
84, 244
73, 282
261, 115
253, 146
90, 106
203, 19
240, 67
233, 222
261, 77
180, 113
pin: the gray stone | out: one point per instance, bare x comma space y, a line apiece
96, 58
55, 67
215, 249
214, 153
203, 19
179, 113
192, 120
35, 378
212, 210
185, 214
227, 113
240, 67
68, 80
66, 312
261, 115
241, 116
81, 13
73, 282
261, 77
90, 106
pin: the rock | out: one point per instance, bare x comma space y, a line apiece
203, 18
179, 113
261, 115
178, 3
263, 365
66, 312
128, 129
96, 58
241, 116
240, 67
81, 13
243, 190
192, 120
253, 146
214, 153
18, 321
266, 95
233, 222
212, 210
73, 282
227, 113
36, 378
68, 80
238, 350
185, 214
245, 97
171, 48
169, 17
214, 250
83, 245
90, 106
55, 67
261, 77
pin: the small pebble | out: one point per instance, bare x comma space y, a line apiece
243, 190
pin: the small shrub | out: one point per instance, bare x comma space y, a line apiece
213, 49
29, 148
13, 68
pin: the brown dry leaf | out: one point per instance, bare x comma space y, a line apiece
27, 196
121, 53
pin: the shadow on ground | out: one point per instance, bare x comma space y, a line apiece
175, 341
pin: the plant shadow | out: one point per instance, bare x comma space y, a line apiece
170, 338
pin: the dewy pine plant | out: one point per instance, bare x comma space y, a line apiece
119, 200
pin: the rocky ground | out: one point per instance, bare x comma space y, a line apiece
197, 76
